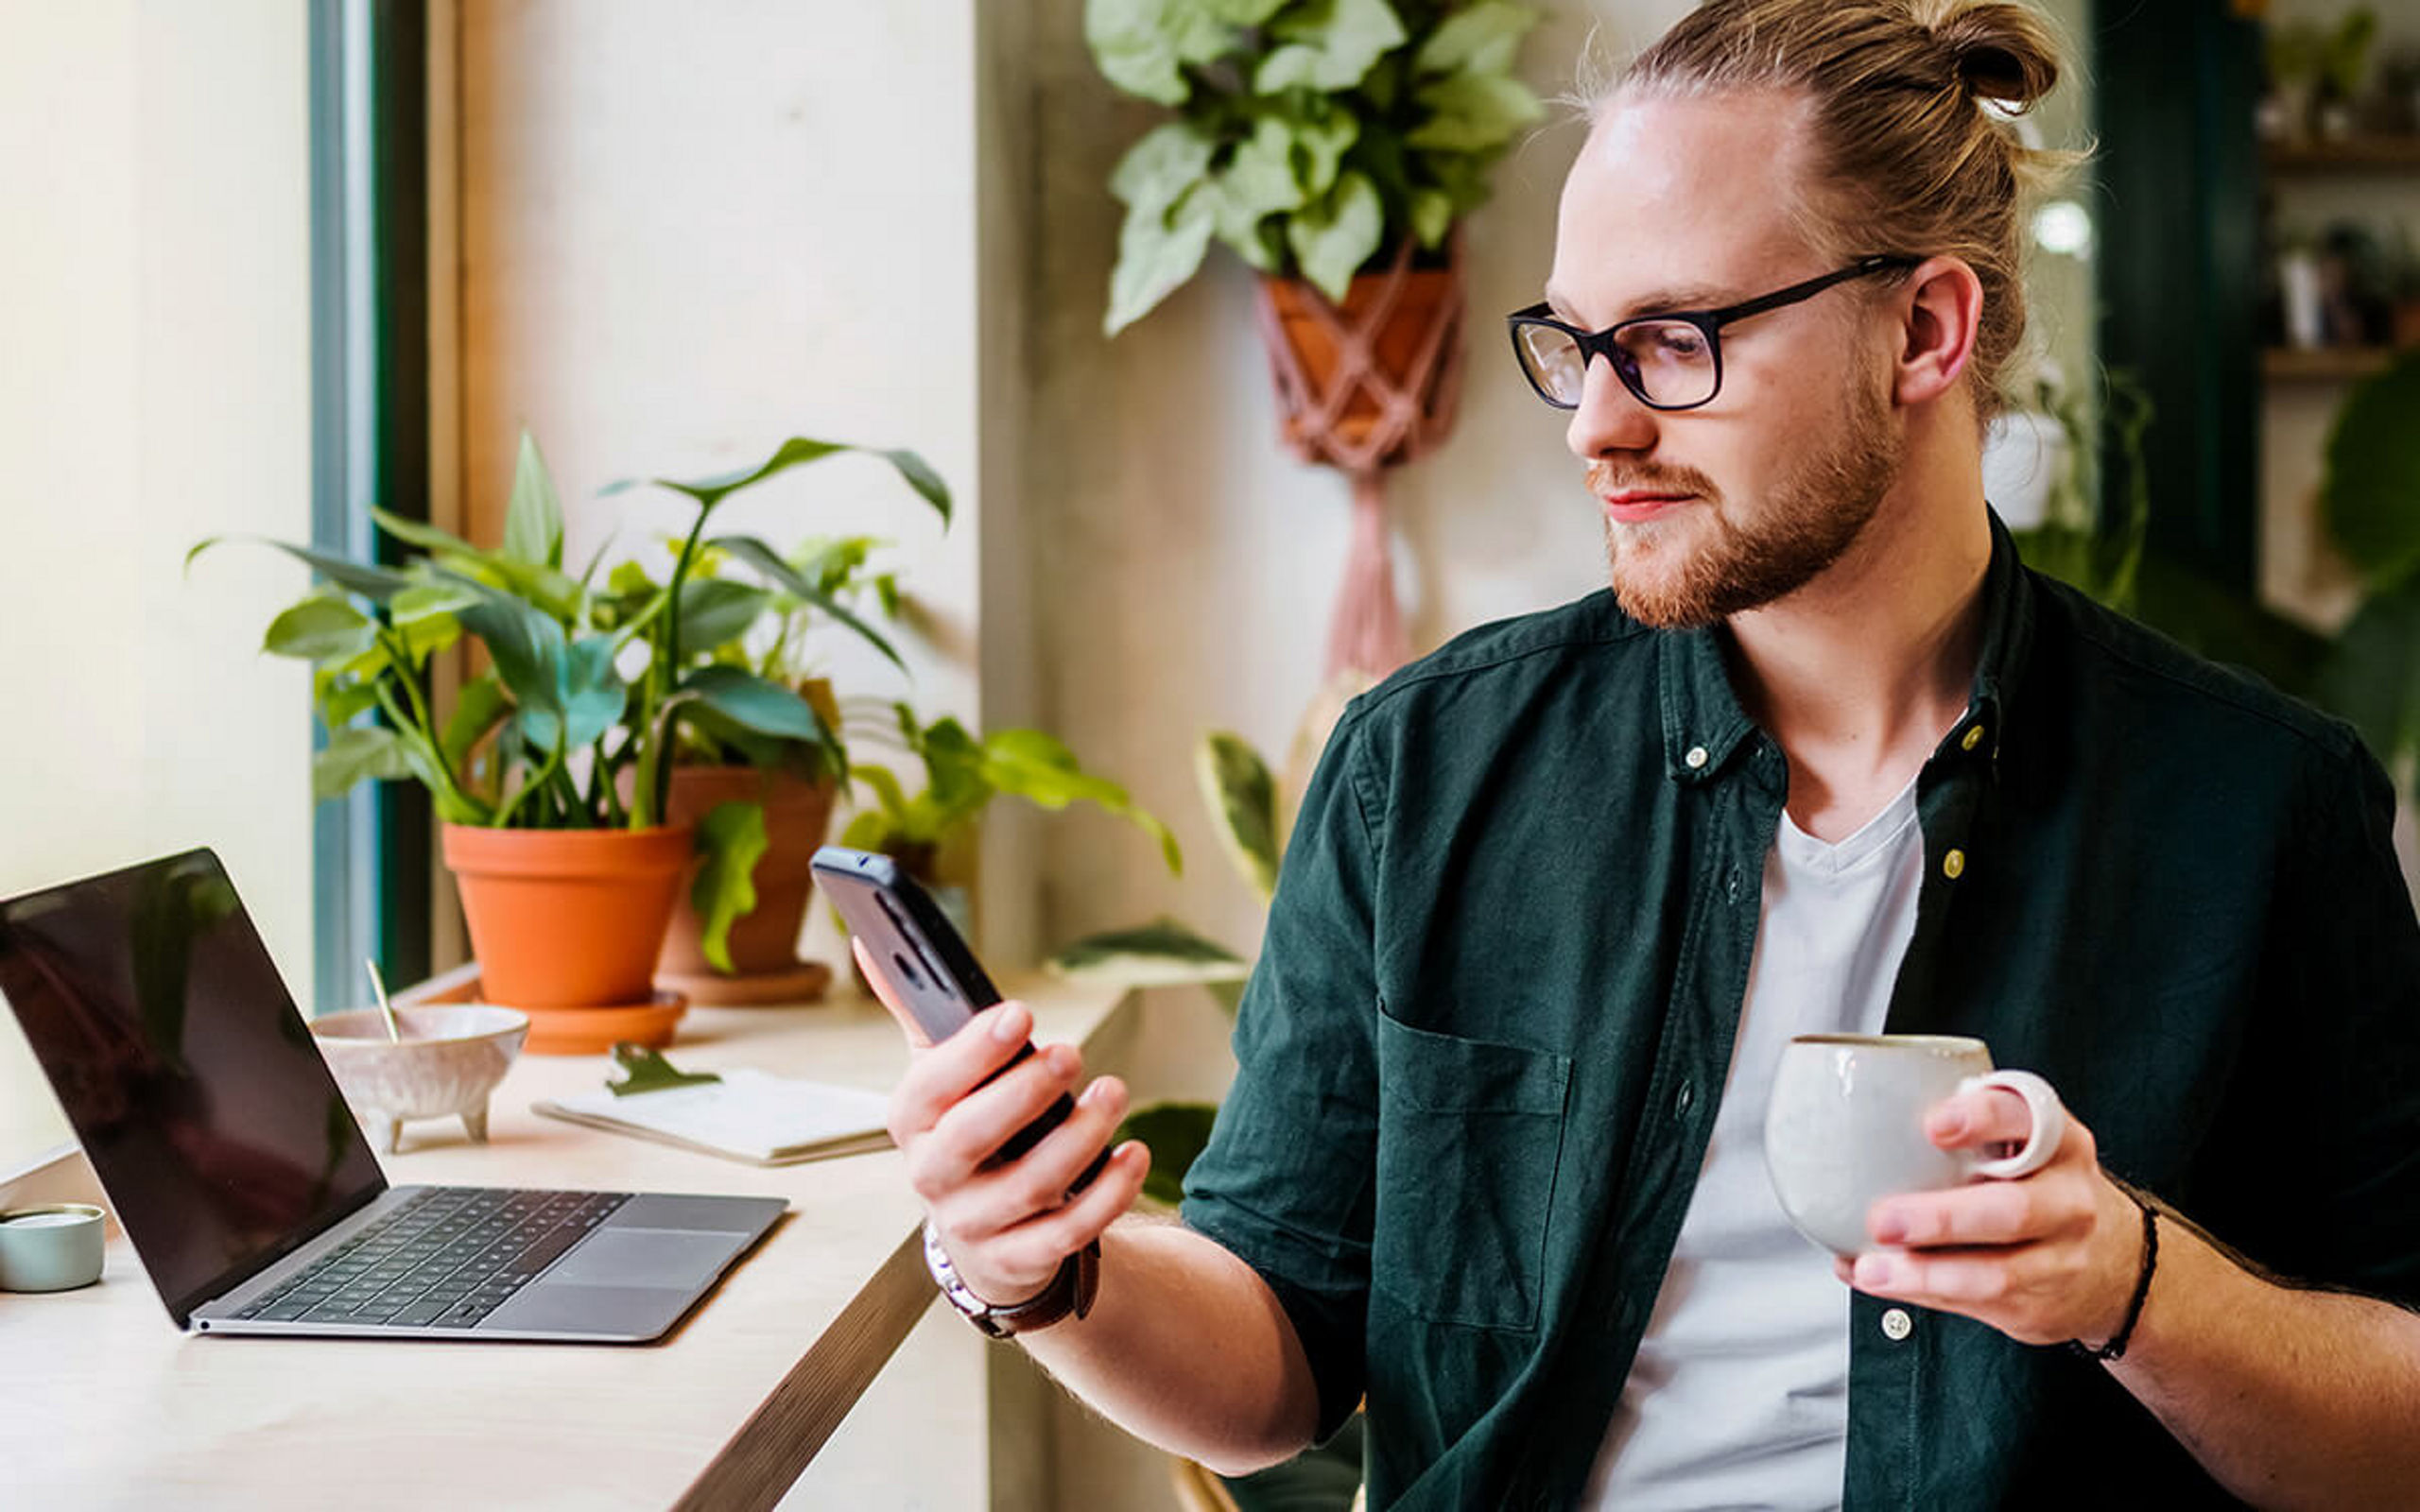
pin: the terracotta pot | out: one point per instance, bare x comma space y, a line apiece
1373, 382
567, 918
764, 941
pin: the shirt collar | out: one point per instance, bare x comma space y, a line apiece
1704, 726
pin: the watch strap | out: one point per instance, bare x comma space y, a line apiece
1069, 1294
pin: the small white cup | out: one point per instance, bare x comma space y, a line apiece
1846, 1127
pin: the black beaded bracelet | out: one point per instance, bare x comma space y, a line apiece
2116, 1345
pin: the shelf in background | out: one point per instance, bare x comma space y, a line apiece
2323, 364
2352, 154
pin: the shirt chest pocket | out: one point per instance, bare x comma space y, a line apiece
1470, 1134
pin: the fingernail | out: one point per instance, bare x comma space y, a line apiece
1010, 1025
1889, 1228
1877, 1270
1095, 1095
1949, 1125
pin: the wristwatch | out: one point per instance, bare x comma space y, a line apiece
1069, 1294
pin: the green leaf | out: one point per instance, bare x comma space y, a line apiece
889, 795
1242, 799
590, 696
1473, 112
768, 561
731, 839
322, 627
427, 600
796, 452
1333, 237
630, 579
1155, 258
427, 537
476, 707
959, 778
2370, 489
1161, 953
1175, 1134
753, 703
353, 754
377, 584
1039, 768
1143, 46
920, 476
341, 698
533, 519
1320, 145
1482, 40
1328, 45
1432, 216
530, 651
1257, 183
1158, 169
715, 610
543, 587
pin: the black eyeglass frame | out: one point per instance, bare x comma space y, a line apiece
1593, 344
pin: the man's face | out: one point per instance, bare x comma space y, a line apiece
1686, 205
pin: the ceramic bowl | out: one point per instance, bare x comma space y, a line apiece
451, 1058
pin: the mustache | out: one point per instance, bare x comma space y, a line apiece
1606, 477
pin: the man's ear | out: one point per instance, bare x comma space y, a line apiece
1942, 308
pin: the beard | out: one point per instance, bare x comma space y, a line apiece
1811, 518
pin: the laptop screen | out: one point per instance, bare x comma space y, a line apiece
190, 1078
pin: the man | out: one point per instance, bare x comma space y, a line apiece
1827, 758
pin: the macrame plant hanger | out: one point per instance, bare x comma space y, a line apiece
1363, 388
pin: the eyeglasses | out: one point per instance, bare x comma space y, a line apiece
1668, 361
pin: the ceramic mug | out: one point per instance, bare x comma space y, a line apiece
1846, 1127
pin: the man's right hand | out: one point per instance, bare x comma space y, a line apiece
1007, 1226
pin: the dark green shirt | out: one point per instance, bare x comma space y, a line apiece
1480, 1057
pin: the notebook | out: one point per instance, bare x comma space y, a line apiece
245, 1185
747, 1115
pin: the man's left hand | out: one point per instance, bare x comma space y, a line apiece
2044, 1258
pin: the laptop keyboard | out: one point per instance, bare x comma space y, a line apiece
444, 1259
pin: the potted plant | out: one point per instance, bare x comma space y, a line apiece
931, 831
734, 938
551, 771
1333, 146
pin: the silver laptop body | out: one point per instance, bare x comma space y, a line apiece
247, 1188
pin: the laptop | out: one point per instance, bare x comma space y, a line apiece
246, 1184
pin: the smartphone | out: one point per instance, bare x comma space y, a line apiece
930, 964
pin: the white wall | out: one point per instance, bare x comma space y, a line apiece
154, 287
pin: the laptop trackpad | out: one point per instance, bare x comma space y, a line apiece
646, 1257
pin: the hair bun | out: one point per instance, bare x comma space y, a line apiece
1998, 51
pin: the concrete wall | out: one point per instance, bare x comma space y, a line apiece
155, 292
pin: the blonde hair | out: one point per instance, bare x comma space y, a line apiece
1911, 112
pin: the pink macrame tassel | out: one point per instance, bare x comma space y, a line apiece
1366, 633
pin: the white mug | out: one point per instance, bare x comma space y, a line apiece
1846, 1127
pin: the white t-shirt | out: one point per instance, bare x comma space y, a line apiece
1738, 1397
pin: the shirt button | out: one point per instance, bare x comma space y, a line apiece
1898, 1325
1974, 738
1953, 866
1684, 1099
1731, 885
1696, 758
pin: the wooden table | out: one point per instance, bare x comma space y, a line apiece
103, 1405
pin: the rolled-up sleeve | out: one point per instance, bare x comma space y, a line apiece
1287, 1182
